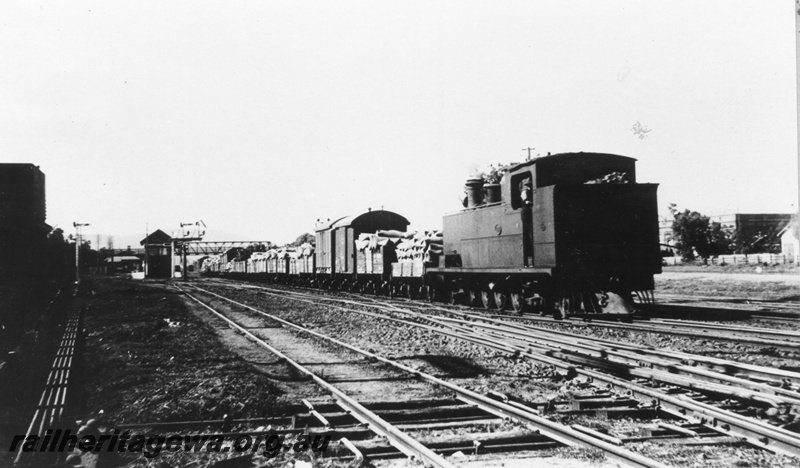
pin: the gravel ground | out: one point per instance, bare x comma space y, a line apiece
481, 370
151, 357
148, 359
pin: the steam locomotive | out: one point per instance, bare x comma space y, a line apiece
570, 234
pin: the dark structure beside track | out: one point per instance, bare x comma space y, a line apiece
158, 255
23, 241
23, 230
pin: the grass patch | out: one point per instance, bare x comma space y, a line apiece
148, 359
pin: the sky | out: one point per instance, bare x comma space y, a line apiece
260, 117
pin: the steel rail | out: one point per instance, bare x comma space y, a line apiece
758, 434
728, 300
766, 338
760, 394
754, 432
53, 400
766, 332
763, 336
722, 365
718, 371
558, 432
403, 442
636, 362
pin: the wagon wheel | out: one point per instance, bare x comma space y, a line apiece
474, 297
562, 308
487, 299
405, 291
452, 297
500, 300
517, 302
430, 293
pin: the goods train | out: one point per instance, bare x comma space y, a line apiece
570, 234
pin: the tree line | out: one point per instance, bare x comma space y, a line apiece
695, 235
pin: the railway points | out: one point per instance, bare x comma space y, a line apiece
645, 385
538, 425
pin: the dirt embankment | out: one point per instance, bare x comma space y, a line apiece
148, 359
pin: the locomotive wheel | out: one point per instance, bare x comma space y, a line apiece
562, 308
500, 300
517, 302
474, 297
487, 299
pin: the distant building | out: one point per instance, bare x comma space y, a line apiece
790, 243
753, 222
123, 263
665, 231
158, 255
231, 254
760, 230
665, 237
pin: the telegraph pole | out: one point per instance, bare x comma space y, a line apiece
78, 227
529, 152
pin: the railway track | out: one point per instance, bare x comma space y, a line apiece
752, 304
784, 339
536, 427
684, 386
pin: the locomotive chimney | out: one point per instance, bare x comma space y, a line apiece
474, 192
